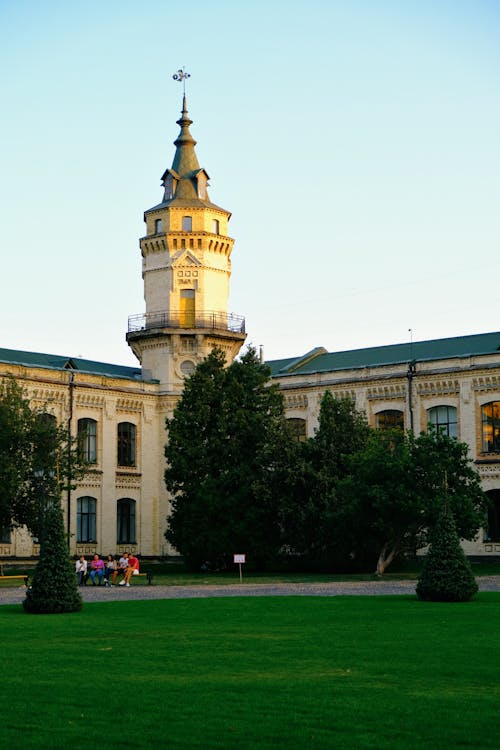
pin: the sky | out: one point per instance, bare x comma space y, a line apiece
356, 144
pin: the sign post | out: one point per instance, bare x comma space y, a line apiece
240, 560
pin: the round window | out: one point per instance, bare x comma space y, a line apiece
187, 367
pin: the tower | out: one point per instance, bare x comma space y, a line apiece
186, 268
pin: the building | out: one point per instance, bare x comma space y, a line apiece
118, 413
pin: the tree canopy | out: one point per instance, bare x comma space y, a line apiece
37, 460
226, 445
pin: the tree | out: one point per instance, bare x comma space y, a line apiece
38, 459
392, 496
446, 574
54, 586
314, 522
225, 446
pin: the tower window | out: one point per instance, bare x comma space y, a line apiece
158, 226
215, 226
187, 223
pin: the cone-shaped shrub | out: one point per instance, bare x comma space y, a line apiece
54, 586
446, 574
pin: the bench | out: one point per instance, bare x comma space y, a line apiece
148, 575
21, 578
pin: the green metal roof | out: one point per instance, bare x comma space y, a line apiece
57, 362
378, 356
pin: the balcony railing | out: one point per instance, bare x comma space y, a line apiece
206, 319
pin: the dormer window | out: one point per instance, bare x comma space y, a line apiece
158, 226
187, 223
215, 226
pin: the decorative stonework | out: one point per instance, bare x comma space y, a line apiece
129, 404
387, 392
296, 401
486, 383
89, 399
436, 387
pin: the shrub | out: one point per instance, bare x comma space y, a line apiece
446, 574
54, 586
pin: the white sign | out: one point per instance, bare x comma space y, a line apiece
238, 559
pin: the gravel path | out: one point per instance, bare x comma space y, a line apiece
348, 588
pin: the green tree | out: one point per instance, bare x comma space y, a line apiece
225, 447
315, 523
391, 500
38, 460
446, 574
54, 586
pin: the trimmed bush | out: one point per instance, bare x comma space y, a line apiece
54, 587
446, 574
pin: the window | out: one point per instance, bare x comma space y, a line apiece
187, 223
492, 533
85, 519
215, 226
126, 444
444, 419
4, 536
490, 418
125, 521
298, 428
187, 367
187, 308
158, 226
87, 440
389, 419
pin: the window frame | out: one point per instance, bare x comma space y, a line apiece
126, 515
87, 441
490, 445
86, 520
445, 427
126, 454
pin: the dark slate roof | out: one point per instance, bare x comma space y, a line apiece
378, 356
58, 362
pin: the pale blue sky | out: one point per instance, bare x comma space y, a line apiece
356, 144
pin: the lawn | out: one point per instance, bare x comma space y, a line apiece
253, 674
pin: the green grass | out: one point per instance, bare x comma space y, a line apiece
253, 674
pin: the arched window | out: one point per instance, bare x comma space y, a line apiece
188, 308
125, 521
390, 419
126, 444
187, 223
85, 519
215, 226
4, 536
298, 427
492, 533
158, 226
490, 418
87, 440
444, 418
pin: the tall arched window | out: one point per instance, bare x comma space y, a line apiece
187, 223
188, 308
390, 419
492, 533
125, 521
444, 419
87, 440
126, 444
299, 428
490, 418
86, 519
4, 535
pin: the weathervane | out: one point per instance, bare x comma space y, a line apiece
181, 76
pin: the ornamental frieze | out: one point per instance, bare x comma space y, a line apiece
486, 383
296, 401
387, 392
437, 387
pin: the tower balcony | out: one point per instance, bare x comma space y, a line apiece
171, 320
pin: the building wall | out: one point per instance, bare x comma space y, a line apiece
466, 383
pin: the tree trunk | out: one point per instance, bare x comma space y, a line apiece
387, 555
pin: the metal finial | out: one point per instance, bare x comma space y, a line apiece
181, 76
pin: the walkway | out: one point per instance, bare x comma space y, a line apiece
345, 588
